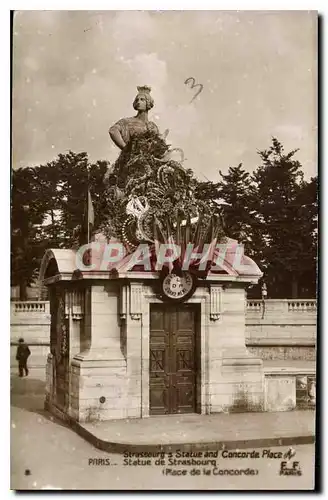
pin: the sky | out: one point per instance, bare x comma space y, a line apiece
75, 73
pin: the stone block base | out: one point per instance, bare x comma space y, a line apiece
280, 393
241, 383
97, 390
290, 390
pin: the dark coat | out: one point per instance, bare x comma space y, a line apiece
23, 352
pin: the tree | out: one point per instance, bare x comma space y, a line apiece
235, 189
64, 185
286, 208
26, 218
48, 210
273, 212
308, 213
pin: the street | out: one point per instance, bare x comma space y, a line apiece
46, 454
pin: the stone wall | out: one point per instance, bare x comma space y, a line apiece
30, 320
281, 330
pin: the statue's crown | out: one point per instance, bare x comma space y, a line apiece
137, 206
145, 89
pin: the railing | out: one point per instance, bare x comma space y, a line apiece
302, 305
30, 307
254, 305
283, 306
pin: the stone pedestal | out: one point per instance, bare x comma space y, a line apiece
236, 380
109, 353
100, 348
98, 372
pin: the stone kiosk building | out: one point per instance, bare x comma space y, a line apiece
131, 341
120, 350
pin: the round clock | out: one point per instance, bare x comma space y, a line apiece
178, 288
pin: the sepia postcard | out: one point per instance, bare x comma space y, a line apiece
164, 241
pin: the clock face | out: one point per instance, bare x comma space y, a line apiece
178, 287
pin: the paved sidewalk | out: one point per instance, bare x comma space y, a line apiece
192, 431
184, 432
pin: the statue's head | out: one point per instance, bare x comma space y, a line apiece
143, 100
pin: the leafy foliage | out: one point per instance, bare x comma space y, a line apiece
236, 190
273, 211
26, 218
49, 209
286, 205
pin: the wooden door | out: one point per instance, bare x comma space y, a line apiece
172, 359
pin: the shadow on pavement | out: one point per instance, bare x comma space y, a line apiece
27, 385
29, 394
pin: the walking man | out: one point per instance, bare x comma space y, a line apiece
23, 353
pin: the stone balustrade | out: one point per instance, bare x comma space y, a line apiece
277, 329
302, 306
254, 305
281, 306
19, 307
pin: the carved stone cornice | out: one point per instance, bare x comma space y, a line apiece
124, 291
135, 316
136, 298
74, 304
215, 302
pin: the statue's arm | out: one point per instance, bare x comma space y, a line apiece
155, 128
115, 133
